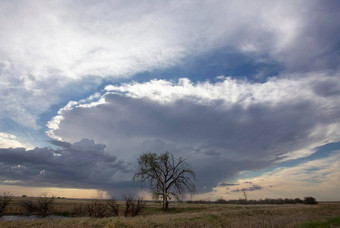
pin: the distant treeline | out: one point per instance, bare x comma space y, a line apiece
307, 200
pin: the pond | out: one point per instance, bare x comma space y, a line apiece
29, 217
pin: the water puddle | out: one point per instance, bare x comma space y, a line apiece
29, 217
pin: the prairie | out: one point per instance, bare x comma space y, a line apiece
184, 215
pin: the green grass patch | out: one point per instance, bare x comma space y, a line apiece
63, 213
331, 223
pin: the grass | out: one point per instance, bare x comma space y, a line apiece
324, 214
325, 223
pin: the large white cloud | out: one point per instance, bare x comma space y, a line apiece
223, 127
47, 45
73, 39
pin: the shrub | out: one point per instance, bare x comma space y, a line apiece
29, 206
97, 208
133, 207
45, 204
79, 210
139, 207
114, 206
5, 199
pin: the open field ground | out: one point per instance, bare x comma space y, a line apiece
188, 215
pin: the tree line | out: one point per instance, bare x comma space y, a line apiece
306, 200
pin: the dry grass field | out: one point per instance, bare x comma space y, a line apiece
186, 215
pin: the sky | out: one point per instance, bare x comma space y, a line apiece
248, 92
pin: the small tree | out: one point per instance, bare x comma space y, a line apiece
168, 177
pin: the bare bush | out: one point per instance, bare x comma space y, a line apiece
128, 205
97, 208
29, 206
114, 206
45, 204
5, 199
133, 207
139, 207
79, 210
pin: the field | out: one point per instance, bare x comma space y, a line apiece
190, 215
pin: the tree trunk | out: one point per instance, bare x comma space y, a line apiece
165, 202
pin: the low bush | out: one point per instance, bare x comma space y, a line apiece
79, 210
29, 206
114, 206
97, 208
42, 206
5, 199
45, 205
133, 207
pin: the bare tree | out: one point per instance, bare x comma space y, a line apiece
5, 199
168, 177
29, 206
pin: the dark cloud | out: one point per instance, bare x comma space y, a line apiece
227, 184
328, 88
83, 164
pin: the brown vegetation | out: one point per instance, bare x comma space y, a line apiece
133, 207
5, 199
183, 215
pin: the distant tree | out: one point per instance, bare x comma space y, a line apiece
298, 200
310, 200
168, 177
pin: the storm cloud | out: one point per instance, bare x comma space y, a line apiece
221, 133
83, 164
250, 189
